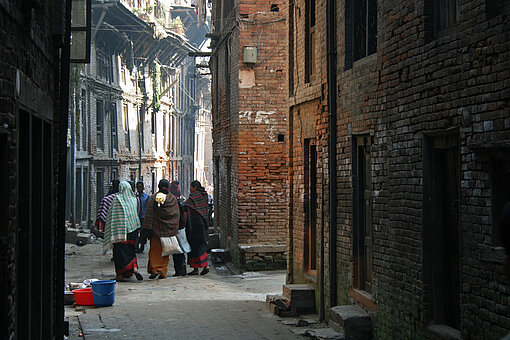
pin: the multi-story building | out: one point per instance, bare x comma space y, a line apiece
134, 111
203, 134
398, 162
249, 96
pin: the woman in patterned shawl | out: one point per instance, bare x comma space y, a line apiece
197, 215
120, 232
161, 220
104, 207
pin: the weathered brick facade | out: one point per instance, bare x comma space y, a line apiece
429, 106
31, 274
249, 123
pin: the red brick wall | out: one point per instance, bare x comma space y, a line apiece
262, 117
249, 134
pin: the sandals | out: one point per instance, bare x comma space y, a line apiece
153, 275
204, 271
139, 276
194, 272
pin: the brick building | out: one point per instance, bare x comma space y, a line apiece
34, 76
249, 95
395, 208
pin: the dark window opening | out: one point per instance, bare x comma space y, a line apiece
500, 182
100, 124
274, 8
35, 180
79, 193
310, 37
127, 137
441, 244
85, 211
445, 14
99, 186
103, 66
141, 114
113, 117
227, 80
230, 225
310, 205
84, 119
360, 30
4, 183
439, 15
217, 206
228, 5
153, 181
281, 138
494, 7
244, 15
362, 213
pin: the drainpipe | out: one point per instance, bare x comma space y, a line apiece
332, 105
290, 252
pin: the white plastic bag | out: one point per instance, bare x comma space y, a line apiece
170, 246
183, 241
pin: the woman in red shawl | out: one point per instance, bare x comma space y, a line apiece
197, 228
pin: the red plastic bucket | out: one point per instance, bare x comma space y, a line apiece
83, 297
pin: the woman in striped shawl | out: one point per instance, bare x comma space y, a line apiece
104, 207
197, 215
120, 232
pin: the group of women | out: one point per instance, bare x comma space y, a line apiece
165, 215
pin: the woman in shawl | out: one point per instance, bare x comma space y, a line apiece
161, 220
104, 207
197, 227
120, 232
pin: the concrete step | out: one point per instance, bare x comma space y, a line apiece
324, 334
302, 297
279, 305
353, 320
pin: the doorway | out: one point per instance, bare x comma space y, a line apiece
441, 235
362, 213
310, 206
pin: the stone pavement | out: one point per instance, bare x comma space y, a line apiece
213, 306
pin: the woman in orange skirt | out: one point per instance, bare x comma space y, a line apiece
161, 220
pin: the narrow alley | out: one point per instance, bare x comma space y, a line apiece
219, 305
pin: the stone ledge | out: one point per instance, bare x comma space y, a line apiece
262, 248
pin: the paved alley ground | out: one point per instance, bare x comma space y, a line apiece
219, 305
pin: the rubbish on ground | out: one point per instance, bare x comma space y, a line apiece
76, 285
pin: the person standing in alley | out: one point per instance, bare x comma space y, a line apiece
179, 259
120, 233
197, 210
142, 198
104, 207
161, 220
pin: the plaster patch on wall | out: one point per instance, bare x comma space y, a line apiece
255, 117
246, 78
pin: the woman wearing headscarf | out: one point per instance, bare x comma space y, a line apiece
161, 220
197, 216
104, 207
179, 259
120, 232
